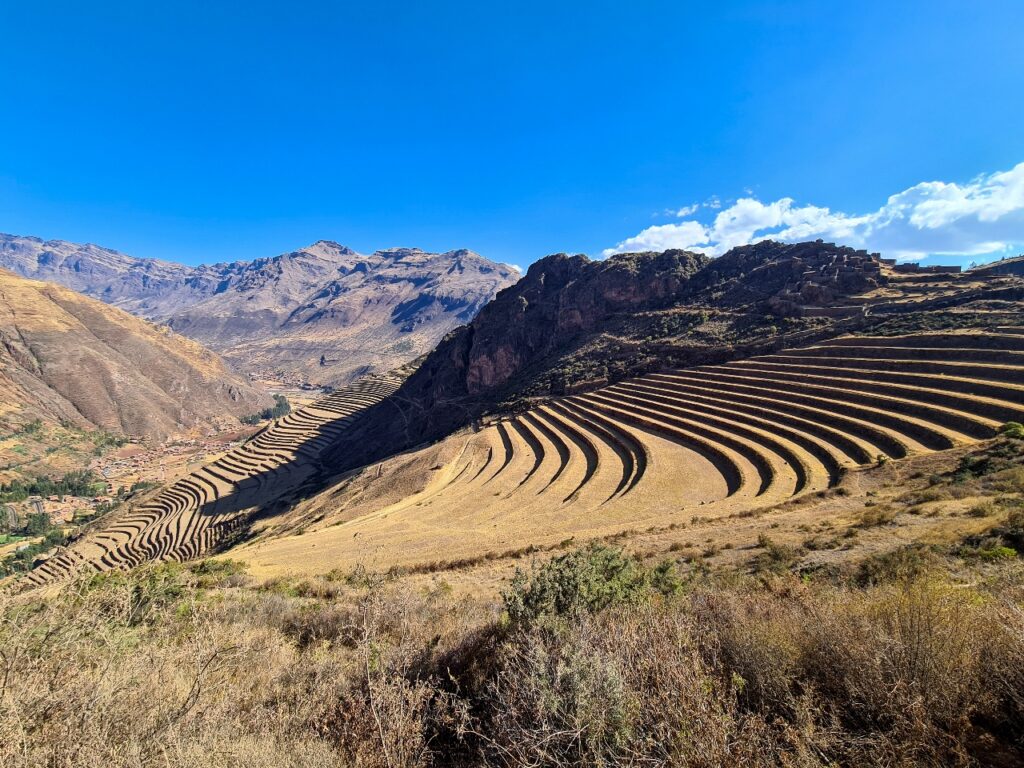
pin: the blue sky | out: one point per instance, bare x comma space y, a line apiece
213, 131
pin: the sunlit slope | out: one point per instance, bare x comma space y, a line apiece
661, 448
195, 515
67, 358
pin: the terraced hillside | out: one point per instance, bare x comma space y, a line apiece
662, 448
198, 512
710, 440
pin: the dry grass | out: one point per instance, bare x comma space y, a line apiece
200, 666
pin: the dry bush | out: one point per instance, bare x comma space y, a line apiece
1009, 481
985, 509
155, 669
628, 687
145, 670
901, 666
893, 675
875, 516
1003, 670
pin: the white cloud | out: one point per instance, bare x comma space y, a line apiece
687, 210
662, 237
983, 216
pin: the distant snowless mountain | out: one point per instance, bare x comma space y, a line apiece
324, 313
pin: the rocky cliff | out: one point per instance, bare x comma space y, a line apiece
572, 323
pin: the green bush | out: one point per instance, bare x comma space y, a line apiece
1012, 429
580, 582
281, 408
31, 428
997, 553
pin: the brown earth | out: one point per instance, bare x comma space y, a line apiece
70, 359
735, 418
688, 447
708, 443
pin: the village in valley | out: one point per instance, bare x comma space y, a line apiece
108, 480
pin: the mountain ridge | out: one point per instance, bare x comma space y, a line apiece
324, 313
573, 324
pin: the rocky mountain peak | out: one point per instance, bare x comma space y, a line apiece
398, 254
329, 248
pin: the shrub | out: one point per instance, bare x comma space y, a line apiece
875, 516
664, 578
141, 668
219, 572
1012, 429
997, 553
1013, 530
583, 581
901, 666
776, 558
986, 509
899, 565
629, 686
1009, 481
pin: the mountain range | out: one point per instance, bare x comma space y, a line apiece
324, 314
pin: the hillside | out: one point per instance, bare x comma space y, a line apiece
711, 442
732, 416
324, 313
572, 324
216, 505
68, 358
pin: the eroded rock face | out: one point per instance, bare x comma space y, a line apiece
562, 296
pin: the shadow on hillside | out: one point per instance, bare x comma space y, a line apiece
269, 493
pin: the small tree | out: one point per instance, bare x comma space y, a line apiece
38, 524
